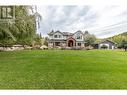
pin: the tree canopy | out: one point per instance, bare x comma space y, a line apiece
89, 38
21, 30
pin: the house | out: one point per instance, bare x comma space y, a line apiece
105, 44
66, 39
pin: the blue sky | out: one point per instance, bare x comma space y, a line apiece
102, 21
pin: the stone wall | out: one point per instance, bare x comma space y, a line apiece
11, 48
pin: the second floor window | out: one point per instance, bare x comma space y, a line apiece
57, 36
79, 37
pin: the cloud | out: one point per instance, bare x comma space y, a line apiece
103, 21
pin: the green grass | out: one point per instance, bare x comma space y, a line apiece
63, 69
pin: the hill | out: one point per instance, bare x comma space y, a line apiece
118, 38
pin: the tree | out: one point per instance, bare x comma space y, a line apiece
89, 38
46, 41
25, 22
124, 44
5, 25
23, 30
37, 40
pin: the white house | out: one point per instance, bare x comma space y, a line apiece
109, 44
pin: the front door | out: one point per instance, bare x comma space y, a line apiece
70, 43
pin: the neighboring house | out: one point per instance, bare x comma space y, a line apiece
105, 43
66, 39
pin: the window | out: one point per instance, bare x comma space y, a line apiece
57, 43
59, 36
55, 36
79, 44
79, 36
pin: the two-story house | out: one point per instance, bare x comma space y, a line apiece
66, 39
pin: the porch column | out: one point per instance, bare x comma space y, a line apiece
53, 44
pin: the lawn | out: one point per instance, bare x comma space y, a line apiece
63, 69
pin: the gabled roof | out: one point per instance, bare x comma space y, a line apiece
70, 38
58, 32
63, 33
78, 31
52, 32
101, 41
67, 33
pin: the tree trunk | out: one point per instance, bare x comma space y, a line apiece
125, 49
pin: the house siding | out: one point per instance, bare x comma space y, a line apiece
110, 45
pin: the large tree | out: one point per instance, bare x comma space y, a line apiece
124, 44
22, 30
89, 38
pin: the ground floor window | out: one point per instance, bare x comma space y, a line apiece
79, 44
57, 43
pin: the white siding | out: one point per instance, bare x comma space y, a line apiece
76, 36
58, 34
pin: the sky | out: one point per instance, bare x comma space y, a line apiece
102, 21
